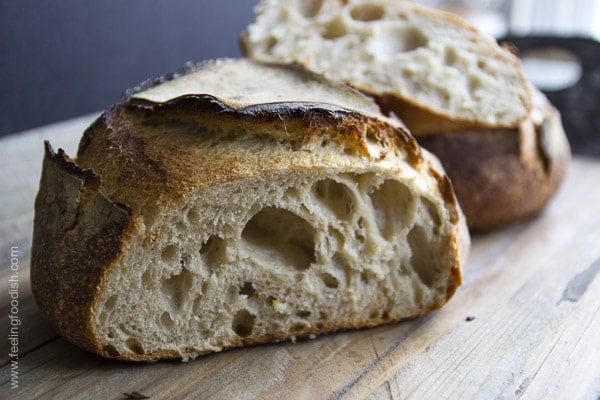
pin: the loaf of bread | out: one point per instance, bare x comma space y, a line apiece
462, 95
238, 203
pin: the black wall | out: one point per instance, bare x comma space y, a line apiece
65, 58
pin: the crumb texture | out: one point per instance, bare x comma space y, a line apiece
419, 55
308, 254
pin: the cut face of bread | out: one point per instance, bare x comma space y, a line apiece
422, 64
200, 218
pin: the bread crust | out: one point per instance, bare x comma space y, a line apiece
78, 233
502, 176
86, 212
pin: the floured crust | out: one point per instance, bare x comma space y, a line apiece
91, 213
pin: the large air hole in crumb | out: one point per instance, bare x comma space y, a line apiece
193, 216
134, 346
450, 56
110, 350
365, 277
367, 12
329, 280
213, 252
248, 289
170, 254
474, 83
334, 29
292, 193
166, 320
393, 206
309, 8
277, 237
392, 41
176, 288
299, 326
243, 323
335, 196
421, 259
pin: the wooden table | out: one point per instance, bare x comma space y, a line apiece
531, 289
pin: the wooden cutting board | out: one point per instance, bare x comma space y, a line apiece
526, 322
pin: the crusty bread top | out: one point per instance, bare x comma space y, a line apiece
140, 164
423, 57
259, 84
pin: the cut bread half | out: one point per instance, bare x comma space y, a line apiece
462, 95
434, 71
237, 204
509, 174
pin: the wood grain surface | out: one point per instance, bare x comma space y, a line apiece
526, 322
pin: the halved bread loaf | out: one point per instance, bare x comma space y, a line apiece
462, 95
240, 203
423, 64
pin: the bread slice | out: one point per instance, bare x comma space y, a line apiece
505, 175
434, 71
240, 203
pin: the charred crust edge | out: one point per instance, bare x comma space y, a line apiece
62, 161
275, 111
70, 259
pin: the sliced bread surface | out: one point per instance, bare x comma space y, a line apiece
429, 67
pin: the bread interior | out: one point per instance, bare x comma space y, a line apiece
266, 259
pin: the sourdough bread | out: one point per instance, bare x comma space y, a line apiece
235, 204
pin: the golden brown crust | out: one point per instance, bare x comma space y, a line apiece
78, 234
136, 168
502, 176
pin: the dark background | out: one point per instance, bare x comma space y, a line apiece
61, 59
